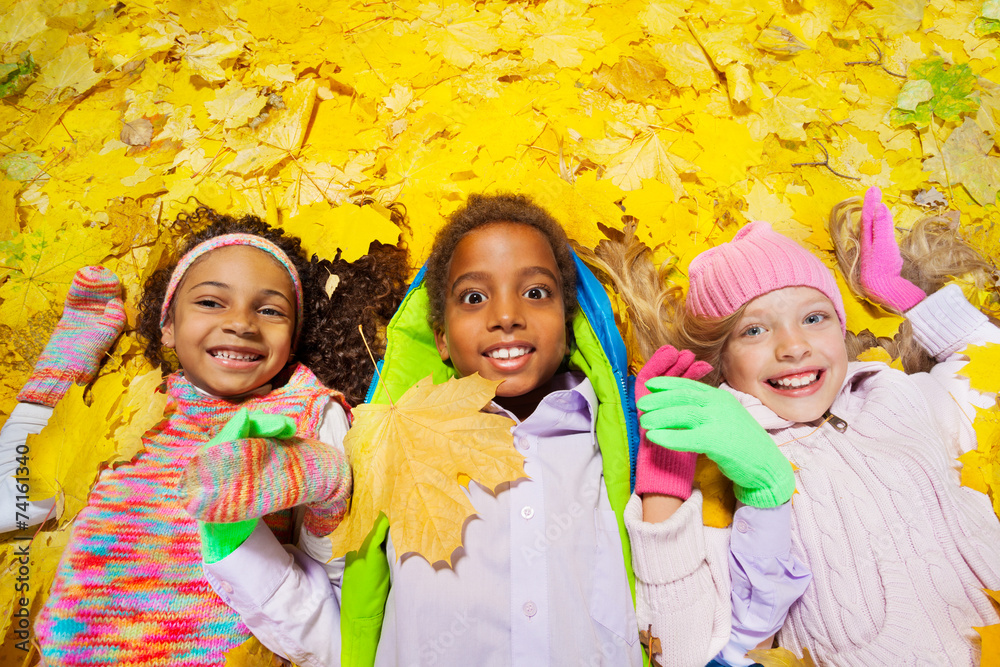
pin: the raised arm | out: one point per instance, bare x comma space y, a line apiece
93, 317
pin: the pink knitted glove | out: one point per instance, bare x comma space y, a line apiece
92, 318
657, 469
880, 259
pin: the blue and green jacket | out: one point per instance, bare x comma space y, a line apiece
411, 355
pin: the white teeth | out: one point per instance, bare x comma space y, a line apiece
235, 356
508, 352
797, 381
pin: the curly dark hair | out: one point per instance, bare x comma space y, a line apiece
481, 210
369, 291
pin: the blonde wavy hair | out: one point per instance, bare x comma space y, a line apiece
933, 251
654, 304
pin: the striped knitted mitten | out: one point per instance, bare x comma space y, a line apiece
268, 471
92, 318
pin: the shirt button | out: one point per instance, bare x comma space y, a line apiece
522, 443
527, 512
529, 609
226, 588
742, 526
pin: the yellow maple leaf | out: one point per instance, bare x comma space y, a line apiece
69, 452
981, 466
659, 18
44, 551
781, 657
718, 499
234, 105
646, 157
561, 35
206, 59
73, 69
286, 21
894, 17
279, 138
784, 115
252, 653
878, 353
730, 152
686, 64
408, 460
863, 314
990, 636
348, 227
982, 367
140, 409
763, 205
460, 34
46, 261
20, 23
965, 158
723, 41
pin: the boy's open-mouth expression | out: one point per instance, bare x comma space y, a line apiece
232, 321
504, 316
788, 351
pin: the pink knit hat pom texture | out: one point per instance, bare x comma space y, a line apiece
757, 261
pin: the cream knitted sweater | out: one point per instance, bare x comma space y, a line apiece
900, 552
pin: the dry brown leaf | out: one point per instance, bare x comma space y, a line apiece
652, 644
138, 132
407, 460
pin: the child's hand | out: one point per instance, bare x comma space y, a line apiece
880, 261
92, 318
659, 470
256, 466
693, 417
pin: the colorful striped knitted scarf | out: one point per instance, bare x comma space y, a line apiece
130, 589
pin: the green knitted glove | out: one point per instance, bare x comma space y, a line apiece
218, 540
689, 416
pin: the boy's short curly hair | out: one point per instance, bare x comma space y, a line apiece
369, 291
481, 210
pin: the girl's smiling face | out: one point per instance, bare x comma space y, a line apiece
504, 316
788, 351
232, 321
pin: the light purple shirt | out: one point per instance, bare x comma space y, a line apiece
766, 578
542, 580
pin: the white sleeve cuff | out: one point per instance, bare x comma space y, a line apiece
16, 511
665, 552
945, 322
249, 575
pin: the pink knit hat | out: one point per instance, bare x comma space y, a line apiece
758, 260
